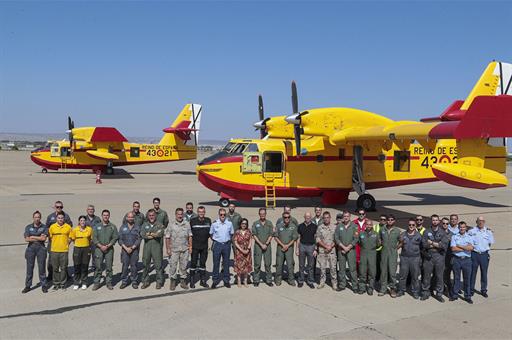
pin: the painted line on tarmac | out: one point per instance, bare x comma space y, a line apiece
99, 303
47, 194
12, 244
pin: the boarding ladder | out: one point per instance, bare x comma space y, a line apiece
270, 191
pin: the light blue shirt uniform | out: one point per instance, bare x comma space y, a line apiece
462, 240
482, 239
453, 230
221, 231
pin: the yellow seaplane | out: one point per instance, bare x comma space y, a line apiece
103, 148
329, 152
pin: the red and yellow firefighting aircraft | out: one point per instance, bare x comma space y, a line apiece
103, 148
330, 152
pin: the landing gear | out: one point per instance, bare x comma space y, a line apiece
109, 170
44, 170
366, 202
224, 202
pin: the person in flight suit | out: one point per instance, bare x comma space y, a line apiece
91, 220
178, 241
189, 211
448, 257
377, 227
483, 239
51, 219
59, 240
138, 216
35, 235
286, 235
390, 238
462, 246
434, 243
129, 240
104, 237
81, 236
200, 227
369, 241
327, 251
410, 259
235, 218
287, 209
262, 231
346, 237
152, 232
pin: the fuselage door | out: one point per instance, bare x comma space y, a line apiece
273, 163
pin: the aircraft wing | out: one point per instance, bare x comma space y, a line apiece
98, 134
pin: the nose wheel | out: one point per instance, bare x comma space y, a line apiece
44, 170
366, 202
224, 202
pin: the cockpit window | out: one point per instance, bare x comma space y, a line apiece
239, 148
228, 147
252, 148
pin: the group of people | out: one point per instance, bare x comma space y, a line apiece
357, 254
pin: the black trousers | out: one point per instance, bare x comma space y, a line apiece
81, 257
202, 256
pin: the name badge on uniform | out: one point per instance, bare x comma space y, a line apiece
281, 229
98, 228
362, 236
373, 235
125, 229
429, 234
291, 228
258, 225
147, 227
32, 229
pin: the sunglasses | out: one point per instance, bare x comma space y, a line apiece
391, 219
419, 219
286, 217
59, 206
445, 223
412, 225
222, 214
362, 214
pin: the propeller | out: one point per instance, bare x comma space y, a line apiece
71, 126
261, 124
295, 118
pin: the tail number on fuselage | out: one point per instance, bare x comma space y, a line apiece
157, 150
444, 155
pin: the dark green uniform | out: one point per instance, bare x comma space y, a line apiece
263, 231
293, 220
369, 242
347, 235
152, 250
162, 217
390, 238
234, 219
286, 233
105, 234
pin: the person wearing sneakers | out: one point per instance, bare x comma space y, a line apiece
81, 235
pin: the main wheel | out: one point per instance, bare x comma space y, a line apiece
366, 202
109, 171
44, 170
224, 202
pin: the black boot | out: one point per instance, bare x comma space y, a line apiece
192, 279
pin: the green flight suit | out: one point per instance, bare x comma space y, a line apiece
105, 234
262, 231
369, 242
286, 233
293, 220
152, 250
346, 235
390, 238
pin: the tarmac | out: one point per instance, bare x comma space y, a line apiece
263, 312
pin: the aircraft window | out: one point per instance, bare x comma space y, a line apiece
228, 147
54, 151
496, 142
401, 161
134, 152
239, 148
253, 147
273, 162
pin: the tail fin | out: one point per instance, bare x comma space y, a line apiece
496, 80
185, 126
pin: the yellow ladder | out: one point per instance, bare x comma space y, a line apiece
270, 192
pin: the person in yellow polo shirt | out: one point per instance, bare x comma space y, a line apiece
81, 236
59, 236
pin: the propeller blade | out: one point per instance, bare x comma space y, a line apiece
295, 99
71, 126
297, 131
260, 107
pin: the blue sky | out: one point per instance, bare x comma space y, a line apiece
133, 65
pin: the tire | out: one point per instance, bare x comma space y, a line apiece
224, 202
109, 171
366, 202
44, 170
